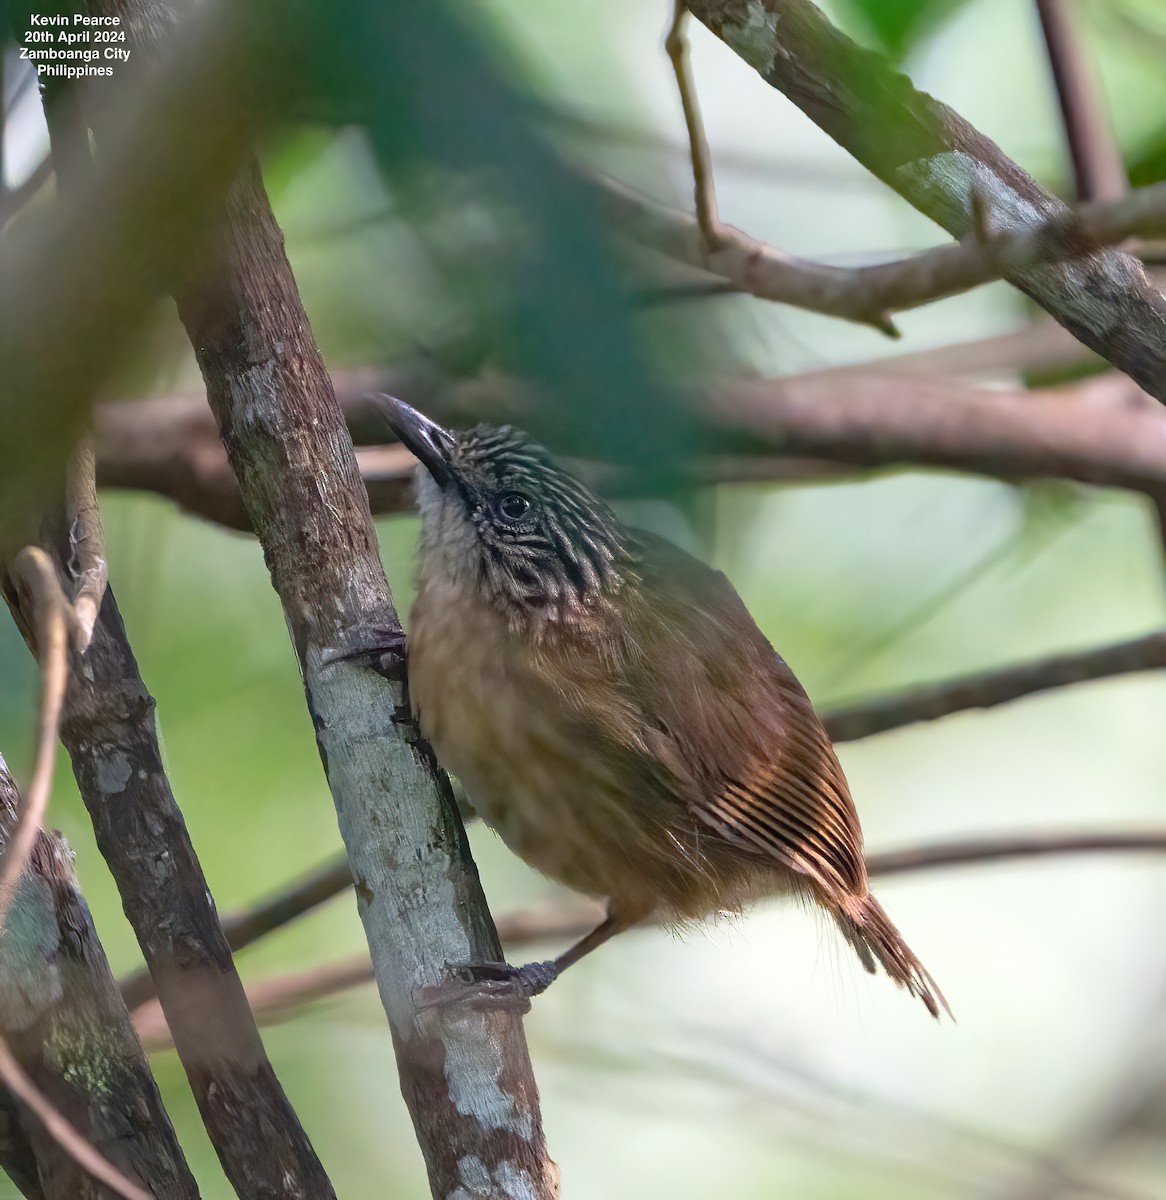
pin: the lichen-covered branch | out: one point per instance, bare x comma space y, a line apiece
109, 731
948, 170
67, 1028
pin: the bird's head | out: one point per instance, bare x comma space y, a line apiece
498, 514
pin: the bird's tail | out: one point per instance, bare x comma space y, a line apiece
866, 926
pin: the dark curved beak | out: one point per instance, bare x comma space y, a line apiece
431, 444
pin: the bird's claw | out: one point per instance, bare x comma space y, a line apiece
381, 647
490, 987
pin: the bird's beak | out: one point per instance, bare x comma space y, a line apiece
425, 438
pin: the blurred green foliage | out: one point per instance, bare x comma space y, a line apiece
899, 25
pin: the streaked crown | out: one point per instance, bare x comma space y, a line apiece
499, 513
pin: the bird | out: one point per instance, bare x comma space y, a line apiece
614, 713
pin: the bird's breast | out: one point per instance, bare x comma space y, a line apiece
472, 697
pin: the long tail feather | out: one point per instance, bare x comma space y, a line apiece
866, 926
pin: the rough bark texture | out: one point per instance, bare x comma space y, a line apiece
110, 733
948, 170
17, 1158
465, 1076
64, 1020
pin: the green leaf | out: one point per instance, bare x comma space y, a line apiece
899, 25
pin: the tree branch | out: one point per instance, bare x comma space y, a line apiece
466, 1076
1098, 170
951, 173
110, 733
990, 688
248, 926
68, 1049
1101, 431
87, 544
93, 1164
973, 851
868, 294
281, 997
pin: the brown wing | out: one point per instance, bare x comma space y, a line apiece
768, 780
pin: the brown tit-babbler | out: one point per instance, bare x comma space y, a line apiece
613, 711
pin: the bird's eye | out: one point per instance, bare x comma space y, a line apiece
513, 506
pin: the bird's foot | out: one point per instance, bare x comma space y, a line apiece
380, 647
490, 987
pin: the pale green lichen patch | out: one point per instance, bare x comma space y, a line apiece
478, 1182
753, 36
474, 1079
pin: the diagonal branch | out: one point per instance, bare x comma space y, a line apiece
950, 172
94, 1163
988, 689
867, 294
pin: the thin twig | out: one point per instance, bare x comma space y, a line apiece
32, 571
704, 188
273, 999
989, 688
973, 851
17, 1082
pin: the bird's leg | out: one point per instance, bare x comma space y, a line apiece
499, 985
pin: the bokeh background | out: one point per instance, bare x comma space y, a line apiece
752, 1058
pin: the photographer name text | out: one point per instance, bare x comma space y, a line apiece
74, 46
